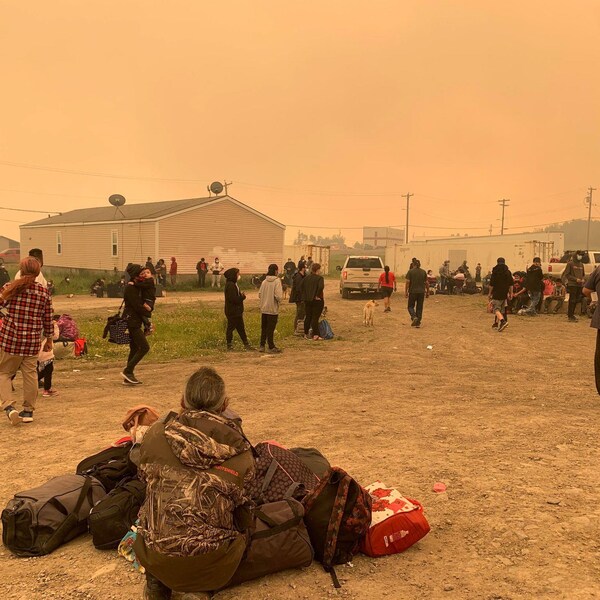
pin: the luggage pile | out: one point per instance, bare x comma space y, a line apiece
303, 509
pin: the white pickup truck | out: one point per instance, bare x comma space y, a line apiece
360, 274
590, 261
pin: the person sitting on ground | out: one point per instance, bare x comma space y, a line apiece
234, 309
459, 280
197, 465
432, 280
558, 294
97, 288
519, 296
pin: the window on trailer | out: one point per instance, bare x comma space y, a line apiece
114, 243
59, 243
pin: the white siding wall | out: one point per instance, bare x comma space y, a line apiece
89, 246
237, 236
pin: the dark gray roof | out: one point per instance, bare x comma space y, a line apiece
127, 212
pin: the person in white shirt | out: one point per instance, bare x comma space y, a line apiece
216, 269
39, 256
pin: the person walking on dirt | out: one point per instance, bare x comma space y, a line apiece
534, 284
573, 278
296, 296
500, 293
269, 296
201, 269
234, 309
26, 320
313, 288
173, 271
135, 313
593, 285
416, 289
387, 285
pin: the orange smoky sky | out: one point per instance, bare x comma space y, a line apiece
321, 113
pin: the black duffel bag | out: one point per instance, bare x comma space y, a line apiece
113, 516
109, 466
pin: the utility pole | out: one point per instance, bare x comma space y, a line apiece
589, 203
407, 196
504, 202
491, 229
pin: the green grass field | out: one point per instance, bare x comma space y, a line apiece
182, 332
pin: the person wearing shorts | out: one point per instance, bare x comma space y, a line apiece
387, 286
501, 289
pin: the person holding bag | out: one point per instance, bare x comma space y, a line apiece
313, 287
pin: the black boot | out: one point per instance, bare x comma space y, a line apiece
155, 590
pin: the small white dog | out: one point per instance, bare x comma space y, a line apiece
368, 312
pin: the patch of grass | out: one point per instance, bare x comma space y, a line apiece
182, 332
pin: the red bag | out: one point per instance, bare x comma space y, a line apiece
397, 522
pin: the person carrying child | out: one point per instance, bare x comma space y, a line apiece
144, 282
45, 364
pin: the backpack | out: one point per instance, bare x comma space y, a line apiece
338, 516
278, 540
279, 474
67, 328
109, 466
112, 517
80, 347
313, 459
325, 330
37, 521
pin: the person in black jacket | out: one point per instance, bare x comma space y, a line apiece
296, 295
534, 285
135, 312
234, 309
312, 294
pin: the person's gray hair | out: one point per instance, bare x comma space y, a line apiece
205, 390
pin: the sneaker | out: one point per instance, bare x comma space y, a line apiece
503, 325
414, 322
229, 348
521, 312
417, 323
274, 350
12, 414
261, 348
249, 347
26, 416
49, 393
130, 378
573, 319
495, 325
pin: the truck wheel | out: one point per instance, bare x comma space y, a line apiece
345, 294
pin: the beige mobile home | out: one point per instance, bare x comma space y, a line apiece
110, 237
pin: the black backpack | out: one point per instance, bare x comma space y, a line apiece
109, 466
338, 516
113, 516
37, 521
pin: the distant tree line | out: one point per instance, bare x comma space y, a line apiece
319, 240
575, 234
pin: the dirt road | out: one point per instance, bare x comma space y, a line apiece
508, 421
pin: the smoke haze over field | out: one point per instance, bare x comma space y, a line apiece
307, 107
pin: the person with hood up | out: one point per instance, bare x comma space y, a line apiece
534, 284
313, 288
573, 277
296, 296
269, 296
135, 312
197, 466
500, 293
234, 308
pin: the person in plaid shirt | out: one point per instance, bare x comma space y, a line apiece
26, 308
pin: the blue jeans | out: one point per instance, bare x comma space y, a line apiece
535, 299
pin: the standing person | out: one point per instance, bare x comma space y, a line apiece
269, 296
500, 293
573, 278
39, 256
234, 309
162, 272
173, 271
150, 266
296, 295
478, 273
444, 275
289, 269
27, 319
4, 276
135, 313
197, 466
313, 288
201, 268
216, 269
302, 260
534, 284
309, 263
387, 285
416, 288
593, 285
45, 364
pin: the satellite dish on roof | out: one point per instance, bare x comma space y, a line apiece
117, 200
216, 187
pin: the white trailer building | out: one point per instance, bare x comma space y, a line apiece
518, 249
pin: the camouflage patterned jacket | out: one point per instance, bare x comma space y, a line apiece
195, 467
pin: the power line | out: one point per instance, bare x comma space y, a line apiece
44, 212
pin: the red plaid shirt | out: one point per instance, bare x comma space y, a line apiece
29, 320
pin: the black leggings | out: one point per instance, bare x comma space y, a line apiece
267, 329
313, 314
46, 375
138, 348
236, 324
